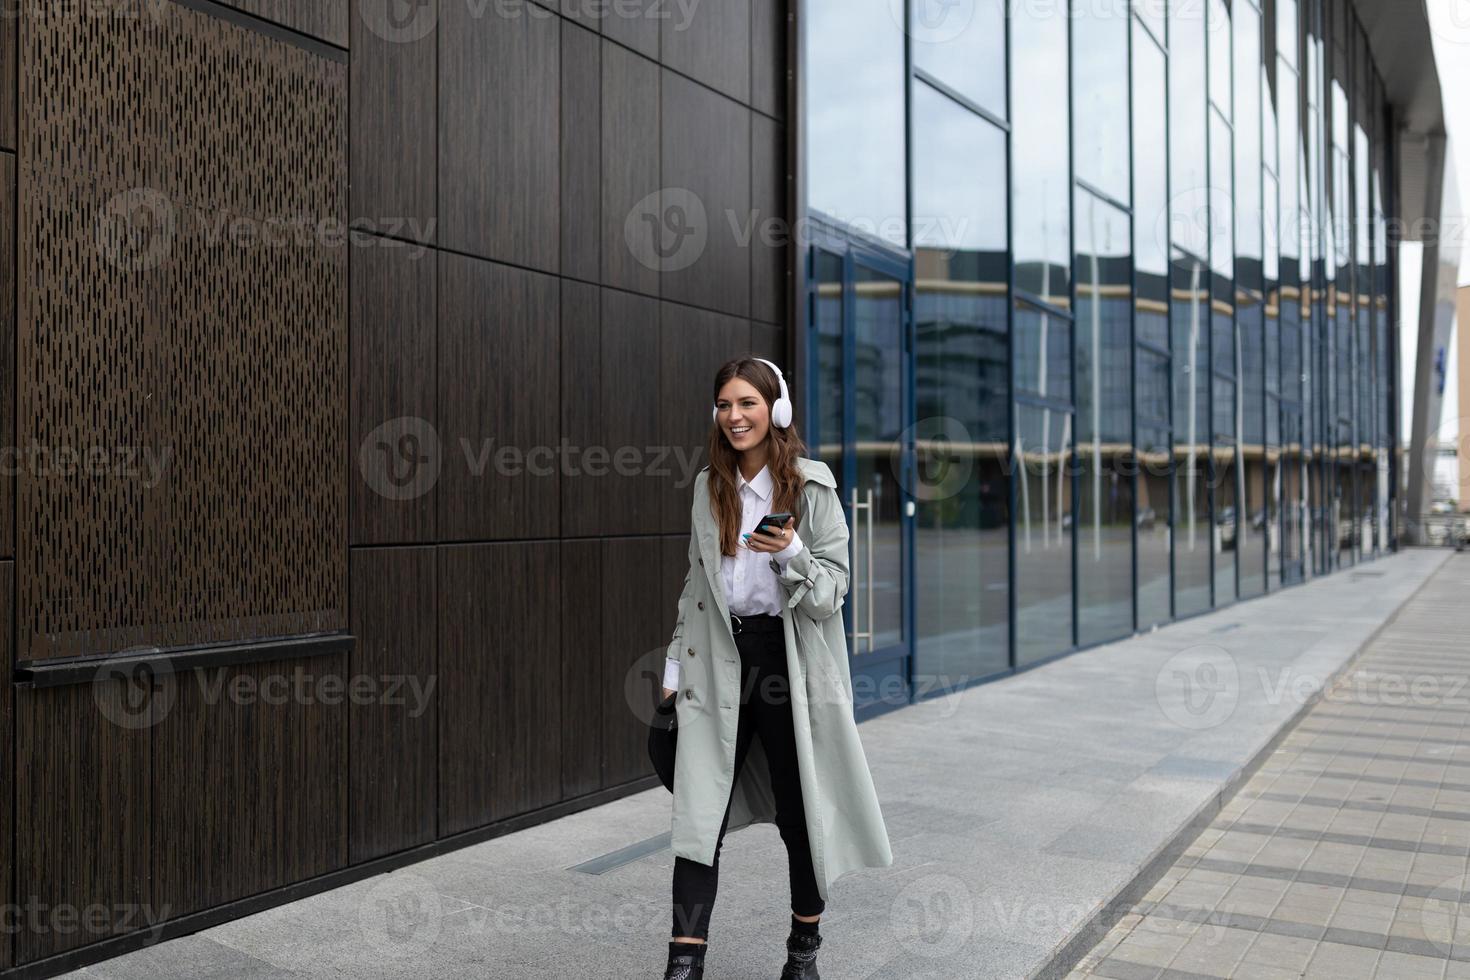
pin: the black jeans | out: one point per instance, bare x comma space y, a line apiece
765, 708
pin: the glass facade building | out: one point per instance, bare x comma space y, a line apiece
1095, 326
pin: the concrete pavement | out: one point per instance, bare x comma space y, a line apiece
1345, 855
1020, 813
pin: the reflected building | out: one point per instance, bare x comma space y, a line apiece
1137, 272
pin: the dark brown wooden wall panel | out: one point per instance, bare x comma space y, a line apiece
582, 423
581, 152
630, 163
228, 337
7, 350
582, 701
610, 408
631, 413
7, 746
499, 135
325, 20
692, 346
249, 780
634, 24
9, 70
498, 389
397, 453
705, 143
393, 788
631, 642
83, 810
768, 340
394, 122
769, 256
500, 726
710, 42
673, 567
768, 57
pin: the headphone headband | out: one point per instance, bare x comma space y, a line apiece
781, 410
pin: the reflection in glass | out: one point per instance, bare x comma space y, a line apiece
1225, 398
854, 71
1188, 181
827, 439
1041, 185
964, 46
1043, 532
1152, 369
877, 426
1100, 95
962, 535
1189, 305
1102, 334
1253, 453
1189, 313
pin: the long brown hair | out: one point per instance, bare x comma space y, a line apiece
783, 448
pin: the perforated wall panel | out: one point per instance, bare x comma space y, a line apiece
182, 332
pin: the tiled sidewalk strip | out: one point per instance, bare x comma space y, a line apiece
1346, 854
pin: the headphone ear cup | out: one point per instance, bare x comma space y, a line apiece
714, 414
781, 412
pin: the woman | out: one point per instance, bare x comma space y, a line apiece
758, 671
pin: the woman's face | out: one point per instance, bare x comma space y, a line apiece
744, 416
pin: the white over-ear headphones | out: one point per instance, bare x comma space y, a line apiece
780, 411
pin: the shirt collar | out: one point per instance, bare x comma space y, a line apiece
761, 484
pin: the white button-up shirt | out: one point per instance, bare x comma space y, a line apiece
750, 585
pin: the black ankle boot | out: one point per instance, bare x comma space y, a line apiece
686, 961
801, 956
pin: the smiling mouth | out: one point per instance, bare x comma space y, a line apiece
739, 431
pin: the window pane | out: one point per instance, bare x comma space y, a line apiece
1042, 184
1153, 524
855, 115
1190, 318
1219, 54
827, 272
1043, 534
962, 392
1152, 13
1100, 94
1104, 421
1188, 181
964, 46
1043, 353
1151, 181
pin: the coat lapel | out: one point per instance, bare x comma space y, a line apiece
708, 535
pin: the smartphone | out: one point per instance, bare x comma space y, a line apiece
773, 521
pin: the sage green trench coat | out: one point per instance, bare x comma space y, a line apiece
843, 820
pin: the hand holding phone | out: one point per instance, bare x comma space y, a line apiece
770, 529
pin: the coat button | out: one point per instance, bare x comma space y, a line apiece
691, 651
701, 561
688, 694
701, 604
